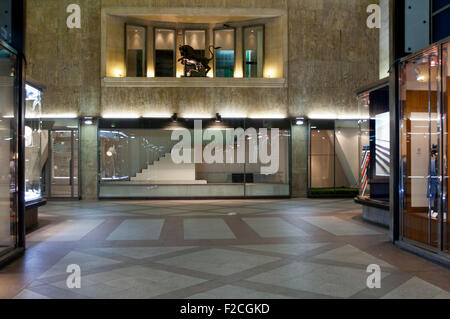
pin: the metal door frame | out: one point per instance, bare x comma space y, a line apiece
72, 160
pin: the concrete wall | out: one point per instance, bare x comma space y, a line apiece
331, 53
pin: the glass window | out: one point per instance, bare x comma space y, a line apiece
197, 40
364, 157
420, 149
60, 146
445, 143
254, 52
440, 17
136, 53
375, 145
164, 53
193, 159
225, 55
8, 155
33, 126
334, 158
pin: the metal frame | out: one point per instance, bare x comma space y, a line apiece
263, 45
48, 171
145, 47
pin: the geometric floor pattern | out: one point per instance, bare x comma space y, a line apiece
214, 249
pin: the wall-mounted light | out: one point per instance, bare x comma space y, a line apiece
88, 121
300, 121
174, 117
218, 118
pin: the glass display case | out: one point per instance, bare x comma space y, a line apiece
33, 149
9, 150
423, 188
139, 158
375, 145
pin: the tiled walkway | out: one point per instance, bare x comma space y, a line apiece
258, 249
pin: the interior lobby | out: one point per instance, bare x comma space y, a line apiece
272, 149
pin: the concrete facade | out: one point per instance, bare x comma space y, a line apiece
330, 51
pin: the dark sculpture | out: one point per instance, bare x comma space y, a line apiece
191, 58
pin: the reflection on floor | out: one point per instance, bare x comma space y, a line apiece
259, 249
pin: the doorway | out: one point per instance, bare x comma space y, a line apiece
62, 173
423, 150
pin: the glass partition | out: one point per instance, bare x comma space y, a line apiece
334, 158
33, 129
191, 158
421, 149
225, 56
164, 52
60, 158
8, 146
136, 50
375, 145
253, 51
445, 145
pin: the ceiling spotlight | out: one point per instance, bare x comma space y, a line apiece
174, 117
218, 118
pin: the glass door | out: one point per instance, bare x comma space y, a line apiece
64, 181
445, 108
421, 145
8, 146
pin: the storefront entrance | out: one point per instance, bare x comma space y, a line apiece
424, 149
60, 158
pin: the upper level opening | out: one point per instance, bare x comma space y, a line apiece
140, 44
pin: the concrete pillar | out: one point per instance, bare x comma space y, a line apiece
384, 39
299, 160
89, 162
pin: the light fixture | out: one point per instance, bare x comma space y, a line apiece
174, 117
218, 118
88, 121
300, 121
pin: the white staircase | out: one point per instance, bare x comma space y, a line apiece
165, 171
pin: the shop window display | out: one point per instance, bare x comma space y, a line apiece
334, 158
33, 129
138, 162
424, 148
8, 155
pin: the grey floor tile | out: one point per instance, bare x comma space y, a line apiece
141, 229
70, 230
416, 288
333, 281
218, 261
207, 228
339, 227
273, 227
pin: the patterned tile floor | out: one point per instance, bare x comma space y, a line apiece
297, 248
